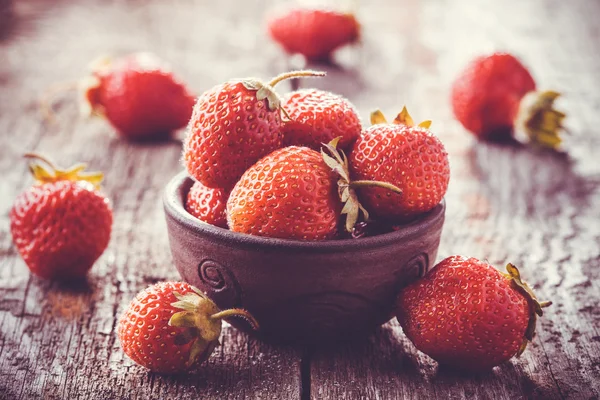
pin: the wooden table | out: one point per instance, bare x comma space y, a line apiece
505, 203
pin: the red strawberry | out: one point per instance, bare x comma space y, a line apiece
409, 157
172, 327
139, 96
62, 224
207, 204
467, 314
233, 126
291, 194
313, 33
495, 95
318, 117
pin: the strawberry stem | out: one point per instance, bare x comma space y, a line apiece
51, 173
295, 74
266, 91
237, 312
41, 158
338, 162
200, 320
384, 185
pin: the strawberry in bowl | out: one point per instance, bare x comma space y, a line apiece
310, 247
301, 291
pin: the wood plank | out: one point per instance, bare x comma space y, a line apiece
505, 203
58, 341
538, 210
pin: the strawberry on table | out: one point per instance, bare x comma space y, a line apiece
207, 204
173, 327
467, 314
233, 125
318, 117
61, 224
495, 97
407, 156
314, 33
139, 96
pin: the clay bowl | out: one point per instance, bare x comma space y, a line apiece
300, 292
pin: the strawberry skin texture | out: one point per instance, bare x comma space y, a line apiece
141, 101
61, 228
229, 131
411, 158
289, 194
207, 204
145, 334
313, 33
486, 95
318, 117
464, 313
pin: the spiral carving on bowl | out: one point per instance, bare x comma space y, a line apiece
219, 280
416, 267
210, 273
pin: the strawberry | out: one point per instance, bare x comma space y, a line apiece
467, 314
62, 224
314, 33
495, 97
318, 117
297, 193
139, 96
173, 327
290, 194
409, 157
207, 204
234, 125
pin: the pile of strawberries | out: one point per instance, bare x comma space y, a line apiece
301, 167
277, 167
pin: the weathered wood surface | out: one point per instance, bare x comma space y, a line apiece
505, 203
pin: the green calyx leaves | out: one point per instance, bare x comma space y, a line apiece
535, 306
540, 121
263, 91
44, 171
267, 91
338, 162
201, 319
403, 118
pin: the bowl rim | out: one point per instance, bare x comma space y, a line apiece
173, 205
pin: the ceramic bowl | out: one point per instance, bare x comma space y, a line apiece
300, 292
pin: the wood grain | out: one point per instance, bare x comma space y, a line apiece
58, 341
505, 203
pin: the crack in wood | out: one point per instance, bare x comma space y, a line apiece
305, 365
